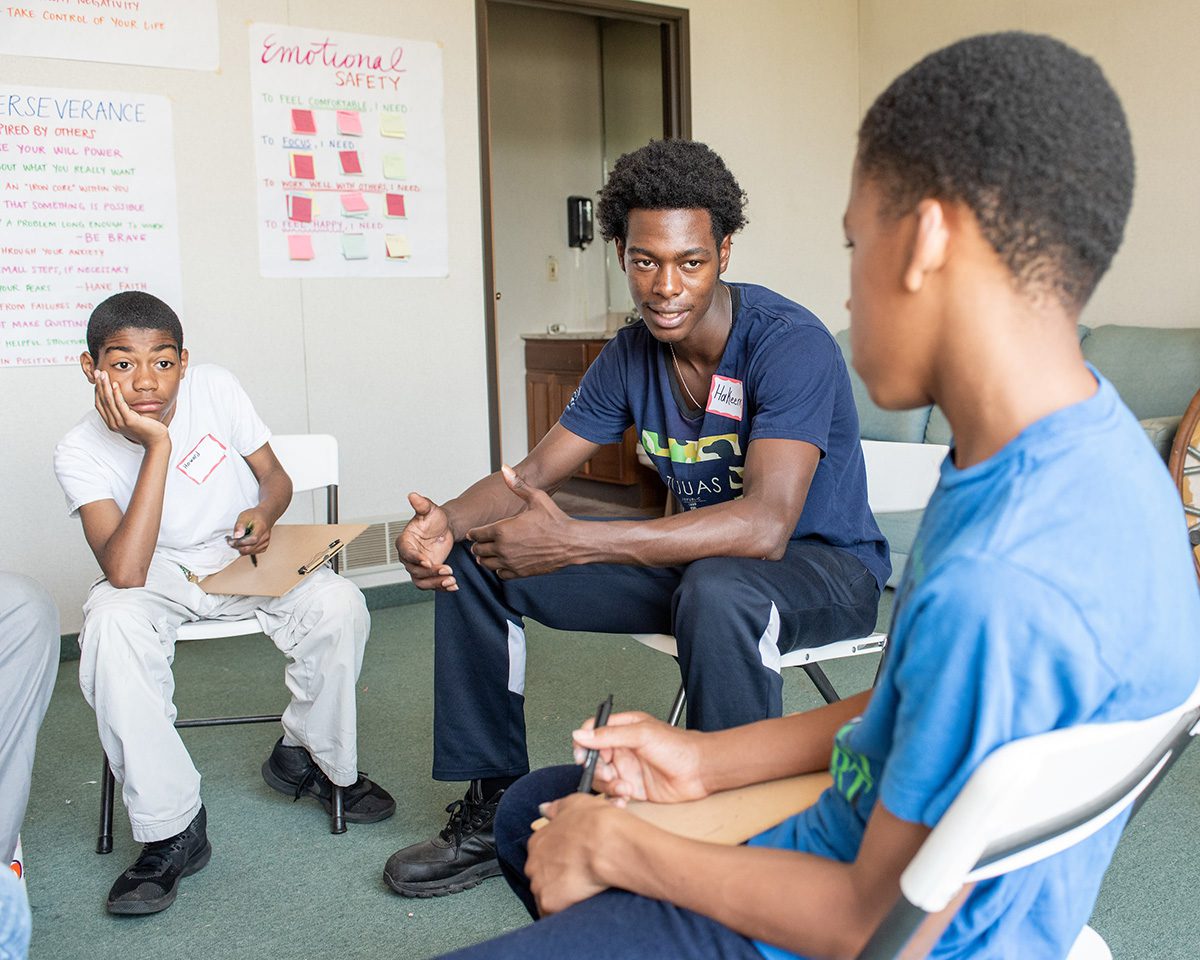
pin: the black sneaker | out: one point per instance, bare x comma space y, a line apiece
292, 771
458, 858
150, 885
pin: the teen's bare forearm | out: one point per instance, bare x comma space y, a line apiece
125, 554
274, 494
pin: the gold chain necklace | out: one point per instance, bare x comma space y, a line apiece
679, 374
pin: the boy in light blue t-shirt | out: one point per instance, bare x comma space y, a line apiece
1047, 585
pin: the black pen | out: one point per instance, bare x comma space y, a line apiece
589, 762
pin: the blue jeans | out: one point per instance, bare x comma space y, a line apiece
615, 924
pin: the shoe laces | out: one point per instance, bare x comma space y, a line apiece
157, 855
466, 817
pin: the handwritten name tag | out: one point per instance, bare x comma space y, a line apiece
199, 463
725, 397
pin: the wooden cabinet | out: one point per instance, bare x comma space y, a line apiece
553, 369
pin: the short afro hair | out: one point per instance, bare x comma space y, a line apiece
1028, 134
671, 175
132, 309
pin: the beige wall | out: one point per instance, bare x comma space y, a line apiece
1148, 50
547, 135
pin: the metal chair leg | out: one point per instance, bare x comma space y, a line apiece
677, 707
821, 682
338, 819
104, 842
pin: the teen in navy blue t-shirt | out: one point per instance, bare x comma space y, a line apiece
743, 401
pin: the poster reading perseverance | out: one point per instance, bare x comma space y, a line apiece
350, 150
87, 209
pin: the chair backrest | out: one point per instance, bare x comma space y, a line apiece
1031, 799
310, 459
901, 476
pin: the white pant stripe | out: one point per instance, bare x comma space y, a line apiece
516, 659
768, 643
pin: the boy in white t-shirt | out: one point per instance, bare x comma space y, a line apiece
170, 466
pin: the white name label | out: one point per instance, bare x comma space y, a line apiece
725, 397
199, 463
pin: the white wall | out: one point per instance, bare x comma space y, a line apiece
1148, 51
394, 368
547, 144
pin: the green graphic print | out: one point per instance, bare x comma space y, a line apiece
851, 772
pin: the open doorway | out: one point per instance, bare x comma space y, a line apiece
564, 89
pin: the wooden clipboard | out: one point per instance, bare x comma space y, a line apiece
731, 816
295, 551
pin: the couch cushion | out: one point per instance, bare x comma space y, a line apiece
1161, 431
875, 423
1155, 370
900, 528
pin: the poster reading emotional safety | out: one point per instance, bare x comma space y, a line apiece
87, 209
350, 152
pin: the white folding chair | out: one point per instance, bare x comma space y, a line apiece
900, 476
1029, 800
311, 461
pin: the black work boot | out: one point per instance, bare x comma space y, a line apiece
461, 856
150, 885
292, 771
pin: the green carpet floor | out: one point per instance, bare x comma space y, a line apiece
280, 886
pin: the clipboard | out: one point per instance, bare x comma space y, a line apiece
731, 816
734, 816
295, 551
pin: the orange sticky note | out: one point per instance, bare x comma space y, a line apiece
300, 246
302, 166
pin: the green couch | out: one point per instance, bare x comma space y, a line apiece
1156, 370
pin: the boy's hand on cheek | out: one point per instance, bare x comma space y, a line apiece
251, 532
111, 405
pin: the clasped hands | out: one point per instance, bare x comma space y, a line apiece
589, 839
538, 539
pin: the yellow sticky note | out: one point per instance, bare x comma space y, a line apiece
392, 125
393, 166
397, 247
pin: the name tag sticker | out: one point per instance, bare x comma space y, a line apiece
725, 397
203, 459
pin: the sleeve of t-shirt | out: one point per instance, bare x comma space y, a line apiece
794, 380
599, 410
80, 477
247, 432
991, 654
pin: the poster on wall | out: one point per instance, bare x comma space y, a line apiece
87, 209
152, 33
349, 143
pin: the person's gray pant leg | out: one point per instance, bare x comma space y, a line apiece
28, 665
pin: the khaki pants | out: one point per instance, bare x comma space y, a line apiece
127, 645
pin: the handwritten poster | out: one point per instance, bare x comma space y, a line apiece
350, 148
87, 209
155, 33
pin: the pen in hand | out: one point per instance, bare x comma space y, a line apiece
245, 533
589, 761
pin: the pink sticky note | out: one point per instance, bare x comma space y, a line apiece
300, 208
354, 202
348, 123
300, 246
350, 162
395, 205
302, 166
303, 122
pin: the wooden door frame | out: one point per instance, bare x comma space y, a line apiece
677, 122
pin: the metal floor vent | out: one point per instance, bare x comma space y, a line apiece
376, 548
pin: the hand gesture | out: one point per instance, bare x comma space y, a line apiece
563, 855
251, 532
642, 758
425, 543
536, 540
119, 418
